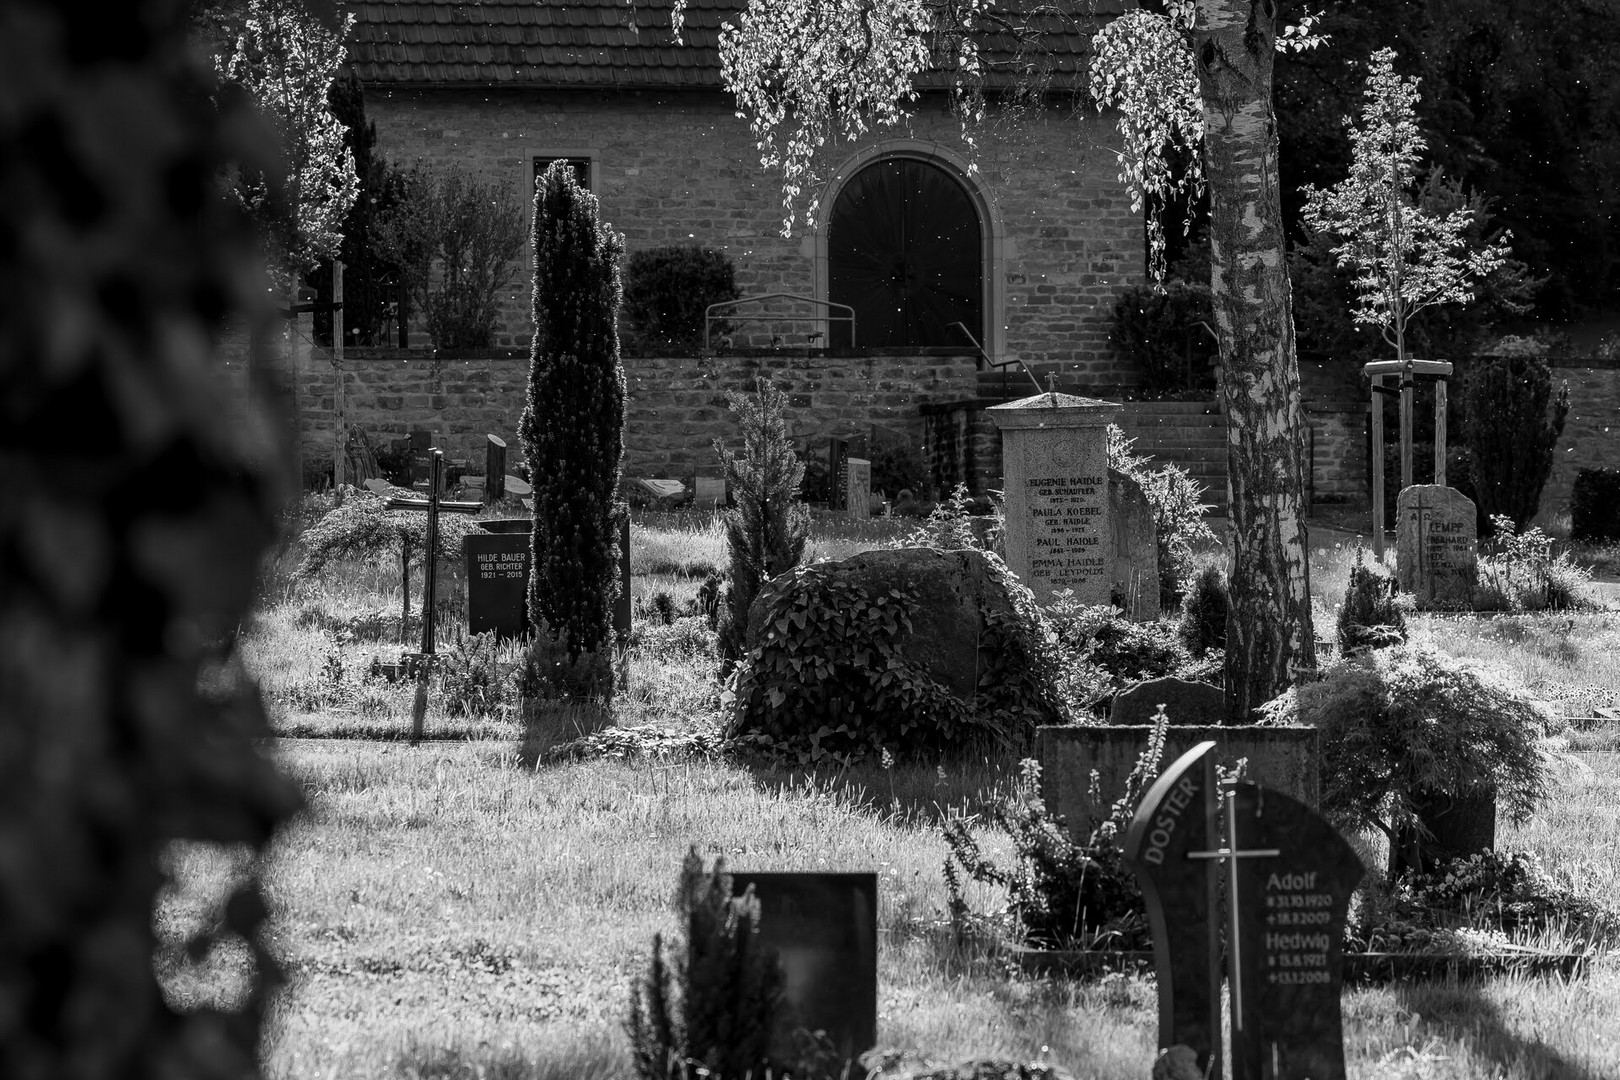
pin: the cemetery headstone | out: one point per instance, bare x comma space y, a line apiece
1436, 545
824, 930
710, 492
1135, 551
494, 468
1288, 878
1177, 817
1291, 910
838, 474
1059, 531
498, 578
1185, 702
858, 488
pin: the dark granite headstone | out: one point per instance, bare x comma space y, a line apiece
824, 930
1291, 914
1182, 896
498, 582
837, 474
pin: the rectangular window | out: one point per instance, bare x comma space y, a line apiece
580, 165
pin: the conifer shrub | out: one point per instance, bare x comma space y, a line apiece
1510, 433
1371, 616
666, 292
573, 425
1204, 609
1408, 726
767, 528
1594, 505
711, 1013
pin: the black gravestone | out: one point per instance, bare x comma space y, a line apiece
837, 474
498, 582
1176, 818
824, 930
1291, 914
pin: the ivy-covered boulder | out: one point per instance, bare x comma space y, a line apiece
910, 650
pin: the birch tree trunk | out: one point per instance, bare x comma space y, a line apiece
1269, 638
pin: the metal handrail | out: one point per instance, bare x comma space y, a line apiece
709, 318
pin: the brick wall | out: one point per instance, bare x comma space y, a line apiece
1336, 410
680, 168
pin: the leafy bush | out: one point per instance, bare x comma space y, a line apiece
709, 1011
1406, 724
1510, 435
473, 680
898, 465
1126, 651
1500, 892
767, 530
666, 291
1204, 609
828, 681
1372, 615
1062, 894
1594, 505
456, 240
948, 527
1165, 337
573, 423
1519, 572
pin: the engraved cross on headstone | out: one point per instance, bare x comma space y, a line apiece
1230, 854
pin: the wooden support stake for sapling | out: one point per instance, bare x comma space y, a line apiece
1378, 467
339, 439
429, 580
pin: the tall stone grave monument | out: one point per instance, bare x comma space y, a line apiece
1436, 545
1059, 533
1284, 878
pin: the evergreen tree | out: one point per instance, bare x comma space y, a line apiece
766, 533
573, 426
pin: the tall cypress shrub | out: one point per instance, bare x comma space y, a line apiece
573, 426
1510, 434
767, 531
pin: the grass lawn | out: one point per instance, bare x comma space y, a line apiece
460, 911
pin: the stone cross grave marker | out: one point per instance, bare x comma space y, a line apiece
1059, 532
824, 930
1288, 879
858, 488
1436, 545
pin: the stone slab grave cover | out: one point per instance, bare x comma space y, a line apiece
858, 487
1059, 531
498, 577
1286, 878
1436, 545
824, 930
1284, 758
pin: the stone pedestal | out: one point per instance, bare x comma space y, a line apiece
1059, 534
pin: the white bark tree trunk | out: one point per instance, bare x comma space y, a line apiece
1269, 640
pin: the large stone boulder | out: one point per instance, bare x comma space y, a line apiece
907, 649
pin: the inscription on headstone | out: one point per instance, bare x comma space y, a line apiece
838, 474
1436, 545
497, 583
824, 930
1288, 880
1059, 532
858, 488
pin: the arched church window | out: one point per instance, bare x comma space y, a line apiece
905, 250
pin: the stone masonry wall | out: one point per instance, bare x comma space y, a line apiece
680, 168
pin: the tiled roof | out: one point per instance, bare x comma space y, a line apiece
612, 43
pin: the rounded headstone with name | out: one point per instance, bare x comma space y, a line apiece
1436, 545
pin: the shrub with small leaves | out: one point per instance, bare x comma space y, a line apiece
667, 290
711, 1013
473, 680
1062, 894
1519, 572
